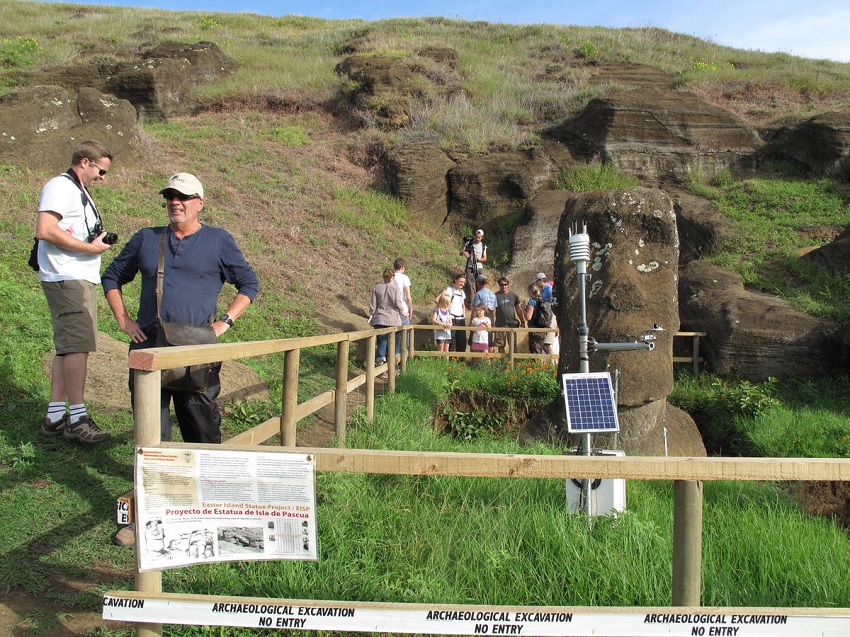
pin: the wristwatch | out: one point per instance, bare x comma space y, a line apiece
224, 318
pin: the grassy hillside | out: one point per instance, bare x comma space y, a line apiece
292, 173
509, 77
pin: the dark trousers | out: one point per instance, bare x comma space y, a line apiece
458, 336
198, 415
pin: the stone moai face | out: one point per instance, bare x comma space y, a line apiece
631, 285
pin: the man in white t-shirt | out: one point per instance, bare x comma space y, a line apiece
456, 309
70, 241
403, 282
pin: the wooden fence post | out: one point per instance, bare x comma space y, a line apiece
695, 355
288, 421
370, 378
147, 432
392, 361
341, 394
687, 542
406, 336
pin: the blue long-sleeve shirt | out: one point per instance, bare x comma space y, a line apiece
196, 268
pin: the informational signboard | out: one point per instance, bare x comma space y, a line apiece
492, 620
200, 506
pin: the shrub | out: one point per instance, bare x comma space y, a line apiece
18, 52
209, 23
587, 51
494, 399
717, 406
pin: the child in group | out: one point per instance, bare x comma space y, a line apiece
480, 337
442, 316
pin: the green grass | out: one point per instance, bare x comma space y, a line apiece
789, 419
594, 176
456, 540
775, 215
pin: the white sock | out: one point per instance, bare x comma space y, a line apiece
77, 412
55, 411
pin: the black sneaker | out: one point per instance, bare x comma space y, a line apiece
85, 430
54, 428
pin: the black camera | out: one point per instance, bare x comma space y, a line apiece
111, 238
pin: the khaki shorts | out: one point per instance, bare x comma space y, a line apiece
73, 309
500, 339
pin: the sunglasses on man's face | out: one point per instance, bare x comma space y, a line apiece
100, 171
168, 196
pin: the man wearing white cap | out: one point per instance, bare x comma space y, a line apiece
198, 259
544, 285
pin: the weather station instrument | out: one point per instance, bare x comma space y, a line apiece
589, 397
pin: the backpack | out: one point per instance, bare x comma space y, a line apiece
543, 317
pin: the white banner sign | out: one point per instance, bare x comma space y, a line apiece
220, 506
436, 620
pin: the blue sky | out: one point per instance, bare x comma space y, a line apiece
810, 28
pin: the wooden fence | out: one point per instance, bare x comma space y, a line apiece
686, 473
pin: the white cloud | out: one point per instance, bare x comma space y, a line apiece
808, 34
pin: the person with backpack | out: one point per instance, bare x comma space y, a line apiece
538, 313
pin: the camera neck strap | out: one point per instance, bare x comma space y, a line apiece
85, 198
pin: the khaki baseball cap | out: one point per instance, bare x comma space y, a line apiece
184, 183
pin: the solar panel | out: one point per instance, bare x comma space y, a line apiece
589, 400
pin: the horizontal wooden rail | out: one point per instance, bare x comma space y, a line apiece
158, 358
429, 463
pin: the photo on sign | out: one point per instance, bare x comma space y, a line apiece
235, 540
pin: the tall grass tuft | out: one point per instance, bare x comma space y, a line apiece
594, 176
